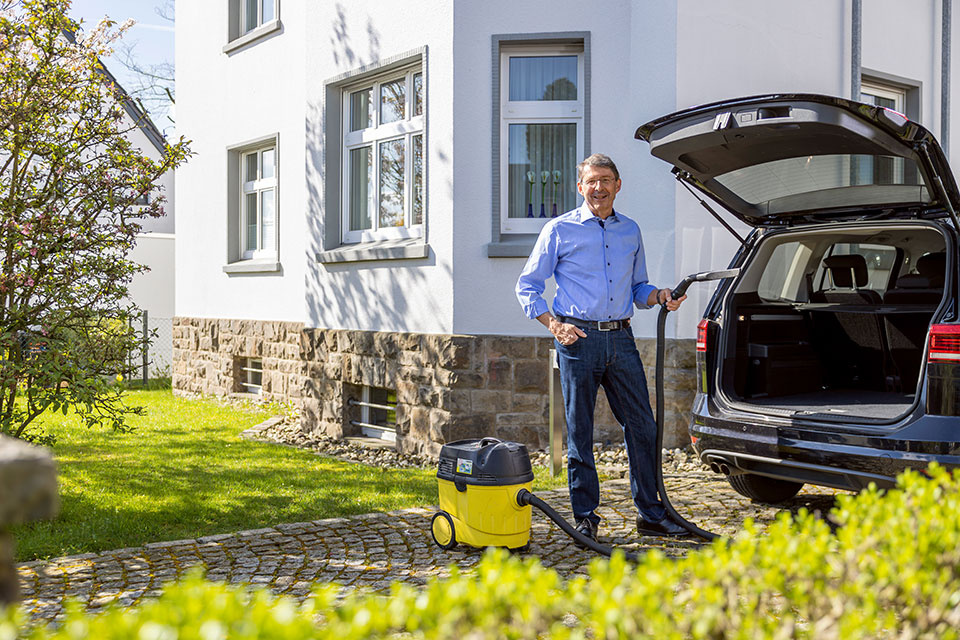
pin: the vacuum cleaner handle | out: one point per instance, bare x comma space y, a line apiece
681, 288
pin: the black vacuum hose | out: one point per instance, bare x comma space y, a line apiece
524, 498
678, 292
671, 512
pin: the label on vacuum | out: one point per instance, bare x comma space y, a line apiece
464, 466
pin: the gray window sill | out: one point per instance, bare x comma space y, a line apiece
410, 249
519, 247
250, 36
252, 266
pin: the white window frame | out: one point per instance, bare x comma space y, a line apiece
898, 95
367, 427
534, 112
406, 129
258, 186
259, 21
250, 369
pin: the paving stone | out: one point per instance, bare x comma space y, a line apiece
372, 550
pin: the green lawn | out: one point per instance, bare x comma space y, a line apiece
184, 472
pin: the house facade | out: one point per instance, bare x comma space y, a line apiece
369, 178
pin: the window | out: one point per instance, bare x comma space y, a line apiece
884, 96
251, 375
541, 133
881, 169
378, 413
383, 124
255, 13
258, 203
253, 206
251, 20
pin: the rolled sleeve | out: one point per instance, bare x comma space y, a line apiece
538, 269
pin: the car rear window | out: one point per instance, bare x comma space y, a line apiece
828, 181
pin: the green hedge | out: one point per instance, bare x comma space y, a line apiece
890, 568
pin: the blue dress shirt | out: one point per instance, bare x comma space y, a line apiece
600, 269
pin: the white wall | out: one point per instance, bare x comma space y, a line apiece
165, 186
154, 290
632, 73
398, 295
226, 99
648, 59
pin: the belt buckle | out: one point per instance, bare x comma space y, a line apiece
608, 325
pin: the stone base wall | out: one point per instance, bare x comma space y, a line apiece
208, 355
448, 387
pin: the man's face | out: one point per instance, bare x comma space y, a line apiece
599, 187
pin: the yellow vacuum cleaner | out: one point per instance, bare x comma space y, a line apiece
479, 481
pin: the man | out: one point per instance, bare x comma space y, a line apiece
596, 257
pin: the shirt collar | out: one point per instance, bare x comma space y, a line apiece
586, 215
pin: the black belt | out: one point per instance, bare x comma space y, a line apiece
599, 325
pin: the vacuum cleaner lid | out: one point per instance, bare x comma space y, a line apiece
485, 461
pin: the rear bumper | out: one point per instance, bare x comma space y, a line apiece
825, 455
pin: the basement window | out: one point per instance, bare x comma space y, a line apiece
378, 413
251, 375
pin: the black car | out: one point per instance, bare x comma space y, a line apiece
833, 357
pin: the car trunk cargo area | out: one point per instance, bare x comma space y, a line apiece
833, 323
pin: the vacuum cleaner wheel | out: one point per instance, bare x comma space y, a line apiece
441, 527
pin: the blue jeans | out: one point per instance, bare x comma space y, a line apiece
609, 359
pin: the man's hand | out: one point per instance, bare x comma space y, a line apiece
665, 296
566, 334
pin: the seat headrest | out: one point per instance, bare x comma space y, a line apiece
847, 269
913, 281
932, 266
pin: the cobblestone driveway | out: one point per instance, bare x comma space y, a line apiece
372, 550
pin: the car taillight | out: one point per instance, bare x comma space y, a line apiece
944, 343
702, 336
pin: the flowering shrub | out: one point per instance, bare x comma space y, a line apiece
886, 566
71, 184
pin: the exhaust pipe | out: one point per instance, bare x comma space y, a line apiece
714, 467
724, 469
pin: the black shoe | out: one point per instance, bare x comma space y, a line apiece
588, 528
664, 527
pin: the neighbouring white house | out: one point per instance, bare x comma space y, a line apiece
153, 290
369, 178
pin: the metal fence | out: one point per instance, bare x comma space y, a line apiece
154, 359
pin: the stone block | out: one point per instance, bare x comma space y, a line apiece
28, 492
409, 359
408, 341
407, 392
358, 342
544, 345
528, 402
449, 352
490, 401
500, 374
510, 347
418, 375
385, 344
524, 419
531, 375
456, 401
459, 427
525, 434
28, 483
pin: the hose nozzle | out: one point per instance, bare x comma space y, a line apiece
703, 276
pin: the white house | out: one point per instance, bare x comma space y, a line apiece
153, 291
359, 207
